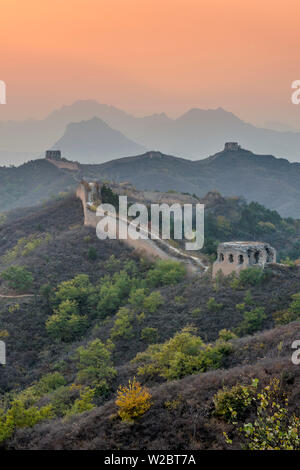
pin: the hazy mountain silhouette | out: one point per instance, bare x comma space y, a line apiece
194, 135
36, 136
93, 141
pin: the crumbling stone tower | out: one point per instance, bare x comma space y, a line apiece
235, 256
232, 147
53, 154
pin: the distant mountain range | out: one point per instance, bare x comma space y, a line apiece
94, 141
271, 181
194, 135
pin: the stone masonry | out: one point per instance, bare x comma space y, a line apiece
235, 256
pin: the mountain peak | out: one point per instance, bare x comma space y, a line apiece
93, 140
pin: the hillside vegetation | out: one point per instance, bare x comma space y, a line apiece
269, 181
110, 350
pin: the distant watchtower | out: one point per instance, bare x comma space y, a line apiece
232, 147
235, 256
53, 154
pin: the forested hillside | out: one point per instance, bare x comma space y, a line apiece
82, 317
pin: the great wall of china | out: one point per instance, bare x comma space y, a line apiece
149, 247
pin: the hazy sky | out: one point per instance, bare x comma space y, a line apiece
151, 55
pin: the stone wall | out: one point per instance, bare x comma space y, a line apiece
235, 256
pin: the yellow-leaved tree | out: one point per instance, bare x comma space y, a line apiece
133, 400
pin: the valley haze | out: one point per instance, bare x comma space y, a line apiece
91, 132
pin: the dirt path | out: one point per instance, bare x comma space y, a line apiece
15, 296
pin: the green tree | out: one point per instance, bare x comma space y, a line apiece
251, 276
66, 324
252, 321
149, 335
18, 416
165, 272
84, 403
136, 298
18, 278
92, 253
109, 300
123, 324
79, 289
153, 301
182, 355
95, 367
213, 305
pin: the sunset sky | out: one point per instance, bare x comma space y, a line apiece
150, 56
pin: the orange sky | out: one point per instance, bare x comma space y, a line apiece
151, 55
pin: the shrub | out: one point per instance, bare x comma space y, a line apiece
273, 427
226, 335
153, 301
149, 335
4, 334
248, 299
283, 317
182, 355
231, 404
196, 312
122, 326
113, 293
78, 289
165, 273
25, 246
179, 300
295, 305
109, 301
136, 298
92, 253
66, 324
18, 416
241, 307
212, 305
133, 401
288, 262
14, 308
251, 276
50, 382
291, 314
3, 217
112, 264
46, 292
130, 267
95, 366
84, 403
235, 283
109, 197
253, 321
18, 278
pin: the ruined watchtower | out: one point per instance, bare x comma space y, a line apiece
232, 147
235, 256
53, 155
